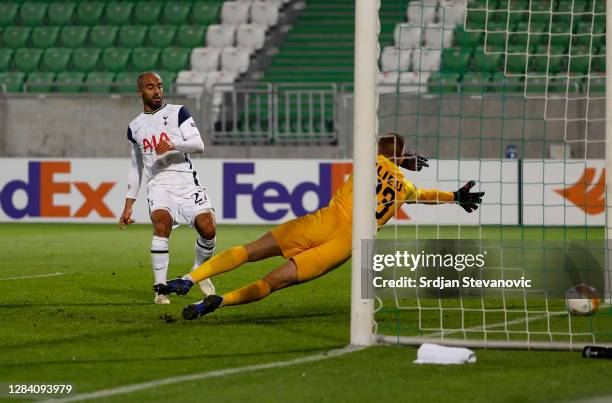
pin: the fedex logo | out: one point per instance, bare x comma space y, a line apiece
272, 200
41, 187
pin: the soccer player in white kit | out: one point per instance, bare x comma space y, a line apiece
162, 137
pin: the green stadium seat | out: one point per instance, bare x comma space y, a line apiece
161, 36
579, 64
168, 79
90, 13
175, 58
535, 84
547, 63
455, 60
12, 82
497, 16
496, 40
40, 82
147, 12
476, 16
598, 63
146, 58
517, 62
103, 36
191, 36
517, 15
125, 82
118, 13
176, 12
540, 11
73, 36
474, 83
486, 63
8, 13
27, 60
16, 37
85, 60
56, 59
443, 82
45, 37
205, 13
60, 13
502, 83
69, 82
594, 84
583, 35
563, 22
132, 36
560, 36
600, 14
116, 59
6, 57
466, 39
536, 26
96, 81
32, 14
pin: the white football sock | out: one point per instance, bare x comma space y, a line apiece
204, 249
160, 258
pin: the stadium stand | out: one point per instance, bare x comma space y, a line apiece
501, 44
101, 43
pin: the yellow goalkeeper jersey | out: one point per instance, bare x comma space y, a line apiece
392, 190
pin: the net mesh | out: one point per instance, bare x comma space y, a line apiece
509, 93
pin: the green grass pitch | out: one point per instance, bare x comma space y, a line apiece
96, 326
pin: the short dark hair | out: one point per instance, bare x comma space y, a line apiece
141, 76
389, 144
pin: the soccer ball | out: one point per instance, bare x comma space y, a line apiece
582, 300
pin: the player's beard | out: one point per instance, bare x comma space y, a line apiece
156, 103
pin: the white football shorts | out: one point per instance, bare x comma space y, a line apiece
183, 203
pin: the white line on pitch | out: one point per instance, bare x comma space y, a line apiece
204, 375
36, 276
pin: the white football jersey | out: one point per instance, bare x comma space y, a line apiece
171, 123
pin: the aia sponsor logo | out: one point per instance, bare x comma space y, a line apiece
149, 145
587, 193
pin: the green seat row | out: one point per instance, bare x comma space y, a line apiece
543, 60
92, 13
478, 83
560, 6
96, 82
131, 36
86, 60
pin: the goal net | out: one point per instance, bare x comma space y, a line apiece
510, 94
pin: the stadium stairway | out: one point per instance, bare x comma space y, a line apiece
319, 48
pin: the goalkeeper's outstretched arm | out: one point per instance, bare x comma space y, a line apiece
469, 201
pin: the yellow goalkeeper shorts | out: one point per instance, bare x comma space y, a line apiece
317, 242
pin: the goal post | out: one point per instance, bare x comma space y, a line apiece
365, 128
512, 94
608, 125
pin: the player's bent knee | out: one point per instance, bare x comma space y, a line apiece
162, 223
205, 225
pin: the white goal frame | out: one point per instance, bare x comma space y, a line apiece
365, 128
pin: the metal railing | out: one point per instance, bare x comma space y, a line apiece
274, 113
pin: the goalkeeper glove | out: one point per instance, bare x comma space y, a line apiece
413, 161
468, 201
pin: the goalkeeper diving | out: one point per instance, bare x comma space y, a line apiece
318, 242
